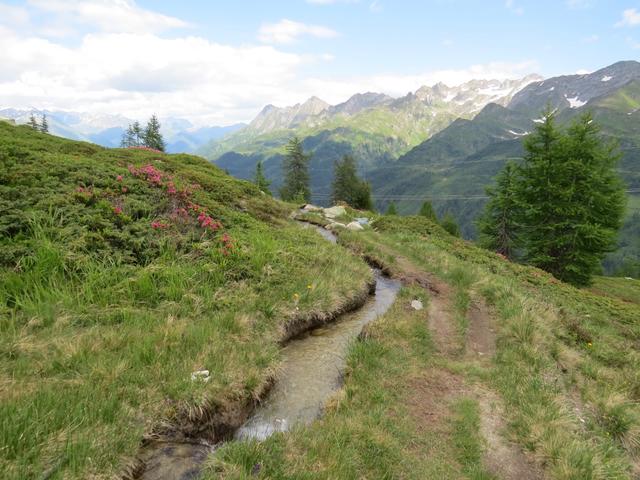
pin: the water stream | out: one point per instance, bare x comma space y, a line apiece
311, 370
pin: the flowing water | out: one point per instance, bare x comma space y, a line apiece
311, 370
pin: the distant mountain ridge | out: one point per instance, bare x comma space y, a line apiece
453, 167
373, 127
107, 130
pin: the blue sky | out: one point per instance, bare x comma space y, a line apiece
221, 61
413, 36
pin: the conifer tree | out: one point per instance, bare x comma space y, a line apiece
347, 187
427, 211
137, 135
33, 123
152, 137
44, 126
296, 173
572, 200
128, 139
261, 181
450, 225
391, 209
498, 225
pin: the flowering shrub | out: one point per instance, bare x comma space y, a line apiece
149, 173
184, 210
158, 225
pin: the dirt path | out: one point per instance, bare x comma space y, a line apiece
432, 393
481, 334
504, 459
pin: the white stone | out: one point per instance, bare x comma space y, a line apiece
355, 226
334, 212
311, 208
334, 225
202, 375
416, 305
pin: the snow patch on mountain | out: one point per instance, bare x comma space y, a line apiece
575, 102
518, 134
606, 78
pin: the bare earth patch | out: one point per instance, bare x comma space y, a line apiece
502, 458
481, 334
430, 395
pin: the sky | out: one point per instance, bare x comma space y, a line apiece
220, 62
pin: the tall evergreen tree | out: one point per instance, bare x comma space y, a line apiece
450, 225
33, 123
296, 173
128, 139
427, 211
498, 225
152, 137
137, 135
391, 209
44, 126
572, 200
261, 181
347, 187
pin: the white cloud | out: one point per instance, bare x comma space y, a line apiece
630, 18
288, 31
139, 73
183, 76
591, 39
511, 5
108, 15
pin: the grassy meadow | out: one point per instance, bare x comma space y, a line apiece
122, 272
117, 281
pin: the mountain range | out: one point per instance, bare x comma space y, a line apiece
444, 143
373, 127
106, 130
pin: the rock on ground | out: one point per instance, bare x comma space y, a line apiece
355, 226
334, 212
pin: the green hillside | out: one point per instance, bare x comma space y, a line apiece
506, 373
453, 167
124, 272
121, 273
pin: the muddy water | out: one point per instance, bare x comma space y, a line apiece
311, 370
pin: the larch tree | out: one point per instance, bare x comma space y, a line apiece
427, 211
33, 123
450, 225
572, 200
391, 209
348, 187
296, 173
260, 180
44, 125
498, 226
151, 136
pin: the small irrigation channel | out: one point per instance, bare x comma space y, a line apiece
311, 371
